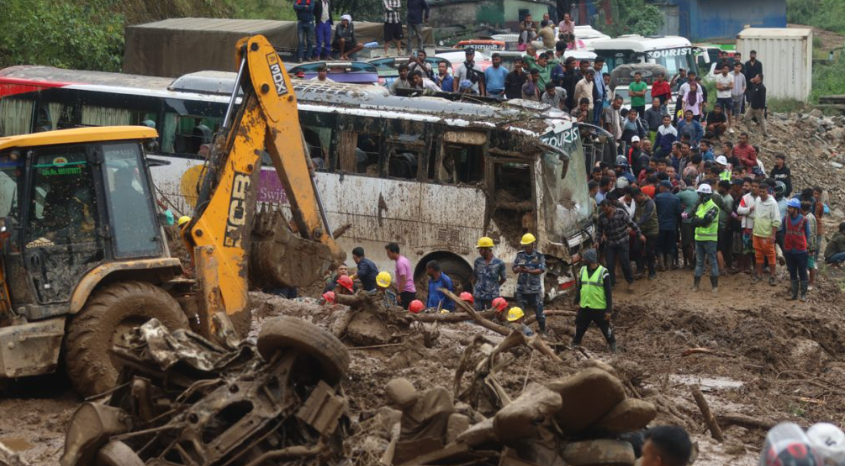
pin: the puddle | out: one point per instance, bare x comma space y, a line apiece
16, 444
706, 383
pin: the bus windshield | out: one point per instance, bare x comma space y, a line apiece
565, 200
673, 59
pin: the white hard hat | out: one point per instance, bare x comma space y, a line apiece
704, 188
635, 139
622, 182
721, 159
828, 440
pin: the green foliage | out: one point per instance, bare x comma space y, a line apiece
78, 35
825, 14
633, 17
785, 105
262, 9
828, 79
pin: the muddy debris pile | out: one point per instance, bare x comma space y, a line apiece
813, 144
185, 400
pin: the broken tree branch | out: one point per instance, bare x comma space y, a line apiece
449, 318
505, 331
745, 421
710, 421
690, 351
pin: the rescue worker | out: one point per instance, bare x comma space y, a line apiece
438, 280
489, 273
795, 246
513, 317
344, 286
365, 269
383, 286
332, 280
595, 300
705, 217
467, 297
183, 221
529, 264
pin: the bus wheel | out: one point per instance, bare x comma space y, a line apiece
107, 316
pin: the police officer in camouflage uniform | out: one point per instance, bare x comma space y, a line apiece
490, 273
529, 264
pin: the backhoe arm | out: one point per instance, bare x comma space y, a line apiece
227, 228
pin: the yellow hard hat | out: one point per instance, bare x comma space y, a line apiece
527, 239
515, 314
485, 242
183, 220
383, 279
444, 311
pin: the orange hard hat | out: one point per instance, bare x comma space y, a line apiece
346, 282
499, 303
329, 296
466, 296
416, 306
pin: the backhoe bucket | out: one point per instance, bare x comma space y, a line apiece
280, 258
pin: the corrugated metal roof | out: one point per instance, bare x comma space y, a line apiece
247, 26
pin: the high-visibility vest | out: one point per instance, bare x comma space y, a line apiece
592, 289
726, 176
708, 233
795, 235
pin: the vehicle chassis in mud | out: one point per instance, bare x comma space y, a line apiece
182, 400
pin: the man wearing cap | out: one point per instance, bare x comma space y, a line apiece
705, 217
594, 300
489, 273
468, 71
529, 264
614, 224
345, 38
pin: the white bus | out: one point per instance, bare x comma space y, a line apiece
671, 52
428, 173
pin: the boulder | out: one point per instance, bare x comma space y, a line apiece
596, 364
806, 355
587, 397
456, 424
523, 416
599, 452
628, 416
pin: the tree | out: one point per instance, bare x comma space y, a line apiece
632, 17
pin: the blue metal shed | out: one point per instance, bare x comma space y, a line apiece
706, 20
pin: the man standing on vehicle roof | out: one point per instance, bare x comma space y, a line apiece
393, 27
468, 71
417, 17
566, 26
598, 91
489, 273
403, 273
529, 264
323, 28
304, 28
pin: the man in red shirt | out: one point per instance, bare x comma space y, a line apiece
661, 90
744, 152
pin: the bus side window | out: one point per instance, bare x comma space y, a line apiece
358, 153
318, 140
54, 115
404, 151
462, 157
15, 116
188, 134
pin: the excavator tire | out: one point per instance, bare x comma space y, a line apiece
109, 313
291, 332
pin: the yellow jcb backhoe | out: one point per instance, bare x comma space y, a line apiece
83, 257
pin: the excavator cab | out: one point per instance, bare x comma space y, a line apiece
77, 218
71, 204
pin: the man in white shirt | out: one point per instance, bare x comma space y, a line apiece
322, 75
725, 84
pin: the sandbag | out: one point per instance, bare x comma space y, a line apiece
587, 397
522, 417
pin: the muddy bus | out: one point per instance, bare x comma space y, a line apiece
431, 174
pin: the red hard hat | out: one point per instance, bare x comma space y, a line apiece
329, 296
345, 282
499, 303
466, 296
416, 306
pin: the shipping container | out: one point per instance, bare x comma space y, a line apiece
786, 56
